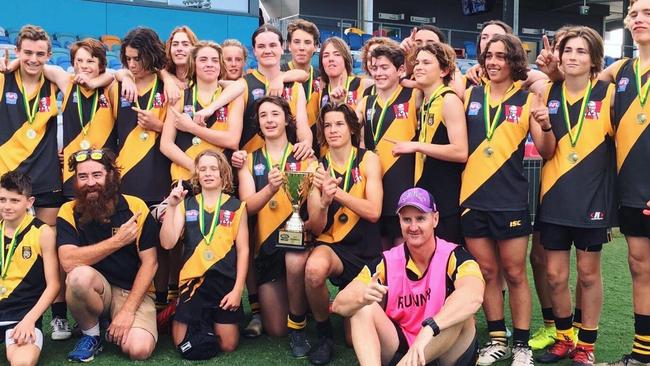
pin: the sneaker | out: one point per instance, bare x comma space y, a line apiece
492, 352
323, 352
254, 328
558, 351
626, 360
542, 338
60, 329
522, 355
85, 349
299, 343
583, 356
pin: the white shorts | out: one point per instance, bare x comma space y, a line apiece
38, 342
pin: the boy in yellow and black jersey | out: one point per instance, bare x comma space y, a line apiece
29, 271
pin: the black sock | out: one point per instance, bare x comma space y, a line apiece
324, 329
547, 315
254, 301
297, 322
577, 318
520, 336
497, 331
641, 346
161, 297
59, 310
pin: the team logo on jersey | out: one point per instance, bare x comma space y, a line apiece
222, 114
158, 100
553, 106
597, 216
103, 102
286, 94
226, 217
258, 93
351, 98
11, 97
191, 215
188, 110
324, 100
315, 86
473, 109
622, 84
401, 110
356, 175
513, 113
593, 110
370, 114
75, 97
292, 166
44, 104
124, 103
259, 169
27, 252
431, 119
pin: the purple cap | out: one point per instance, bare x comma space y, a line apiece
418, 198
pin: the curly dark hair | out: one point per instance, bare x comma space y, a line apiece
445, 55
350, 117
290, 128
151, 49
515, 55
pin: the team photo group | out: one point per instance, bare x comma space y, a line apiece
183, 186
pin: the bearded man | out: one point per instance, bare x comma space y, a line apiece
107, 245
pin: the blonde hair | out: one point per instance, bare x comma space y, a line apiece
33, 33
224, 171
191, 62
235, 43
171, 66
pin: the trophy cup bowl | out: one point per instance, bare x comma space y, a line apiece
296, 185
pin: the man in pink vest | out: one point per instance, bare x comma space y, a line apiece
418, 304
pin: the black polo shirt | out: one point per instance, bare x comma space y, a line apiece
121, 267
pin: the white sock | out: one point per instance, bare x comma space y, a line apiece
93, 331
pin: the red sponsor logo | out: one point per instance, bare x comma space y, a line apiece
44, 104
593, 109
158, 100
226, 217
401, 110
351, 98
221, 114
513, 113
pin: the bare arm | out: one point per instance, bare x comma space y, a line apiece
302, 124
545, 142
228, 139
535, 76
148, 267
457, 84
256, 200
295, 75
51, 267
174, 221
58, 76
168, 140
231, 92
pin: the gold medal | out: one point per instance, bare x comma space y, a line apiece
84, 144
31, 134
208, 255
3, 290
573, 157
488, 151
196, 140
641, 118
273, 204
144, 136
343, 218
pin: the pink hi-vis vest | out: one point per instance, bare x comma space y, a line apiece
410, 302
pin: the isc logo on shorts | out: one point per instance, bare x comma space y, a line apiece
515, 223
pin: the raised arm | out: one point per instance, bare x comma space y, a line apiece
168, 139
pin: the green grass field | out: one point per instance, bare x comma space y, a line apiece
614, 339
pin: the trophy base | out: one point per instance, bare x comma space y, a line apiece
293, 240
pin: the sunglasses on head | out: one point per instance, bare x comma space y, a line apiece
83, 155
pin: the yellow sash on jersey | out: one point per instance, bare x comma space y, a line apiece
26, 254
629, 131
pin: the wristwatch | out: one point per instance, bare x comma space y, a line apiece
547, 129
429, 322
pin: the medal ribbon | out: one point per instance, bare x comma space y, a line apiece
491, 125
424, 112
85, 126
215, 220
283, 161
348, 169
195, 97
581, 118
311, 80
376, 128
5, 260
153, 91
31, 112
642, 91
347, 86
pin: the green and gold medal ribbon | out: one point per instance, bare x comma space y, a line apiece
85, 126
376, 128
348, 169
215, 220
5, 259
195, 96
424, 112
491, 124
642, 91
347, 87
31, 112
283, 161
581, 117
151, 94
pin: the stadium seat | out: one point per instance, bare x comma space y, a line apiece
12, 36
365, 38
114, 64
63, 61
354, 41
110, 40
470, 49
65, 39
324, 35
396, 38
5, 40
314, 60
56, 44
